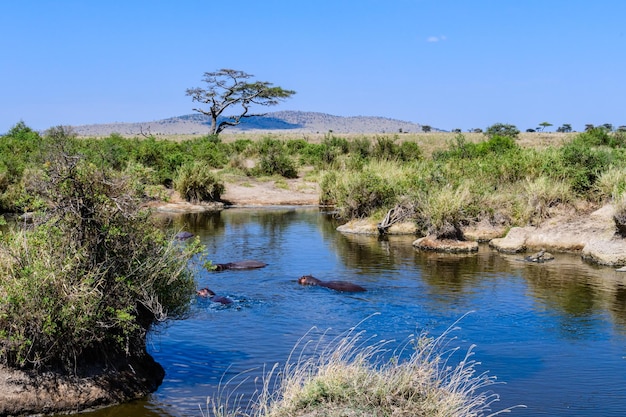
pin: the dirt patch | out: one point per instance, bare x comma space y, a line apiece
248, 192
283, 192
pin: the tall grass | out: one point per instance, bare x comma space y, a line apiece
354, 375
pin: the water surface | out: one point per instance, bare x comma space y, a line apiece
555, 333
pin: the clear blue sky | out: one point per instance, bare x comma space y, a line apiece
445, 63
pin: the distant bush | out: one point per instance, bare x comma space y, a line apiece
410, 151
385, 148
460, 148
275, 159
502, 129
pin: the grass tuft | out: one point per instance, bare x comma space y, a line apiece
354, 375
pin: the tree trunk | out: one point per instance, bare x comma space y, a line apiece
213, 130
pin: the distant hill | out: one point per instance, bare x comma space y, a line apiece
283, 121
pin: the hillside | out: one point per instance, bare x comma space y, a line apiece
283, 121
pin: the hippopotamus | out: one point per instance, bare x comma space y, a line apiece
207, 293
239, 265
343, 286
183, 236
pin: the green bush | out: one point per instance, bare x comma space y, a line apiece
163, 156
274, 159
502, 129
410, 151
583, 164
196, 182
385, 148
83, 286
356, 194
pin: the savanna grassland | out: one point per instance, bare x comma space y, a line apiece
86, 277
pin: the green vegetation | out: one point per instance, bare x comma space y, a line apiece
448, 183
353, 376
195, 182
83, 284
92, 253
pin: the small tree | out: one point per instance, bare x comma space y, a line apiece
501, 129
231, 88
544, 125
565, 128
426, 128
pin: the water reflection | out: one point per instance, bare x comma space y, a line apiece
555, 332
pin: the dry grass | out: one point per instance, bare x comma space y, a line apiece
428, 142
352, 375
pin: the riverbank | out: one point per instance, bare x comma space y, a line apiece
590, 233
29, 393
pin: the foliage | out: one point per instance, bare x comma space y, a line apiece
275, 159
582, 164
86, 282
461, 148
356, 194
196, 182
502, 129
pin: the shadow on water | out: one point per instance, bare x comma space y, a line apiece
554, 332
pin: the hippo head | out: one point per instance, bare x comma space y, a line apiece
308, 280
205, 292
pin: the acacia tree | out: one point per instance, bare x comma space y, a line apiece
544, 125
233, 88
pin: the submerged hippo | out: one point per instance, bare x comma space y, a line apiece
183, 236
343, 286
239, 265
207, 293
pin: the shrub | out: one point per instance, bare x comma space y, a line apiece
195, 182
162, 156
275, 159
442, 210
543, 194
410, 151
361, 146
357, 194
611, 184
83, 286
583, 163
502, 129
385, 148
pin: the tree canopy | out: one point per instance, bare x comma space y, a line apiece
233, 88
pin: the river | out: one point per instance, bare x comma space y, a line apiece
554, 333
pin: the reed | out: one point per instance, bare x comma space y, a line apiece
355, 375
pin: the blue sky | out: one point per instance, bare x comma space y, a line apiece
445, 63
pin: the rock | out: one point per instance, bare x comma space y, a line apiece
186, 207
27, 393
484, 231
513, 242
368, 227
445, 245
605, 252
